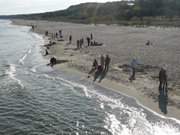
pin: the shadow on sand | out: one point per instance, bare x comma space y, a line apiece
100, 75
163, 102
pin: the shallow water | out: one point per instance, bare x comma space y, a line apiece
38, 100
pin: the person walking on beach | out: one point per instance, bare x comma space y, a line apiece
56, 35
70, 39
46, 52
33, 27
82, 41
133, 67
163, 82
98, 72
60, 33
88, 41
94, 67
46, 33
102, 61
78, 44
107, 62
91, 36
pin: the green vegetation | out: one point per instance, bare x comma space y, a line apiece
126, 12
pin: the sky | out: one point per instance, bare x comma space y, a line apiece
9, 7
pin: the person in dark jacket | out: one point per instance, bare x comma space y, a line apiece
70, 39
94, 67
163, 81
88, 41
107, 62
53, 61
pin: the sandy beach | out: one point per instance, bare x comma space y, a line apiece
122, 44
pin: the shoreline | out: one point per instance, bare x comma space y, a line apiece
122, 86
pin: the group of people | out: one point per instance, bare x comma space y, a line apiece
89, 39
148, 43
92, 42
103, 67
163, 90
100, 70
56, 35
80, 43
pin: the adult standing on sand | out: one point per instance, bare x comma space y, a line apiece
163, 82
46, 33
56, 35
33, 27
107, 62
60, 33
70, 39
91, 36
78, 44
88, 41
46, 52
102, 61
133, 67
94, 67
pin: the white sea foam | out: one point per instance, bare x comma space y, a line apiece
102, 105
21, 61
77, 126
29, 51
33, 69
12, 74
136, 124
73, 84
113, 124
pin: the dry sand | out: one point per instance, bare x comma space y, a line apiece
123, 44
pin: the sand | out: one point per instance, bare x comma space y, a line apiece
122, 44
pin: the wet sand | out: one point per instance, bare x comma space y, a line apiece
122, 44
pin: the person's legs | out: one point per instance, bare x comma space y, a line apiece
107, 67
166, 88
160, 87
163, 88
92, 71
133, 73
96, 75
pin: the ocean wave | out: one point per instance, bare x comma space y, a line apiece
70, 84
131, 120
136, 121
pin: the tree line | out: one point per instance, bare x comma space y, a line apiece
113, 12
